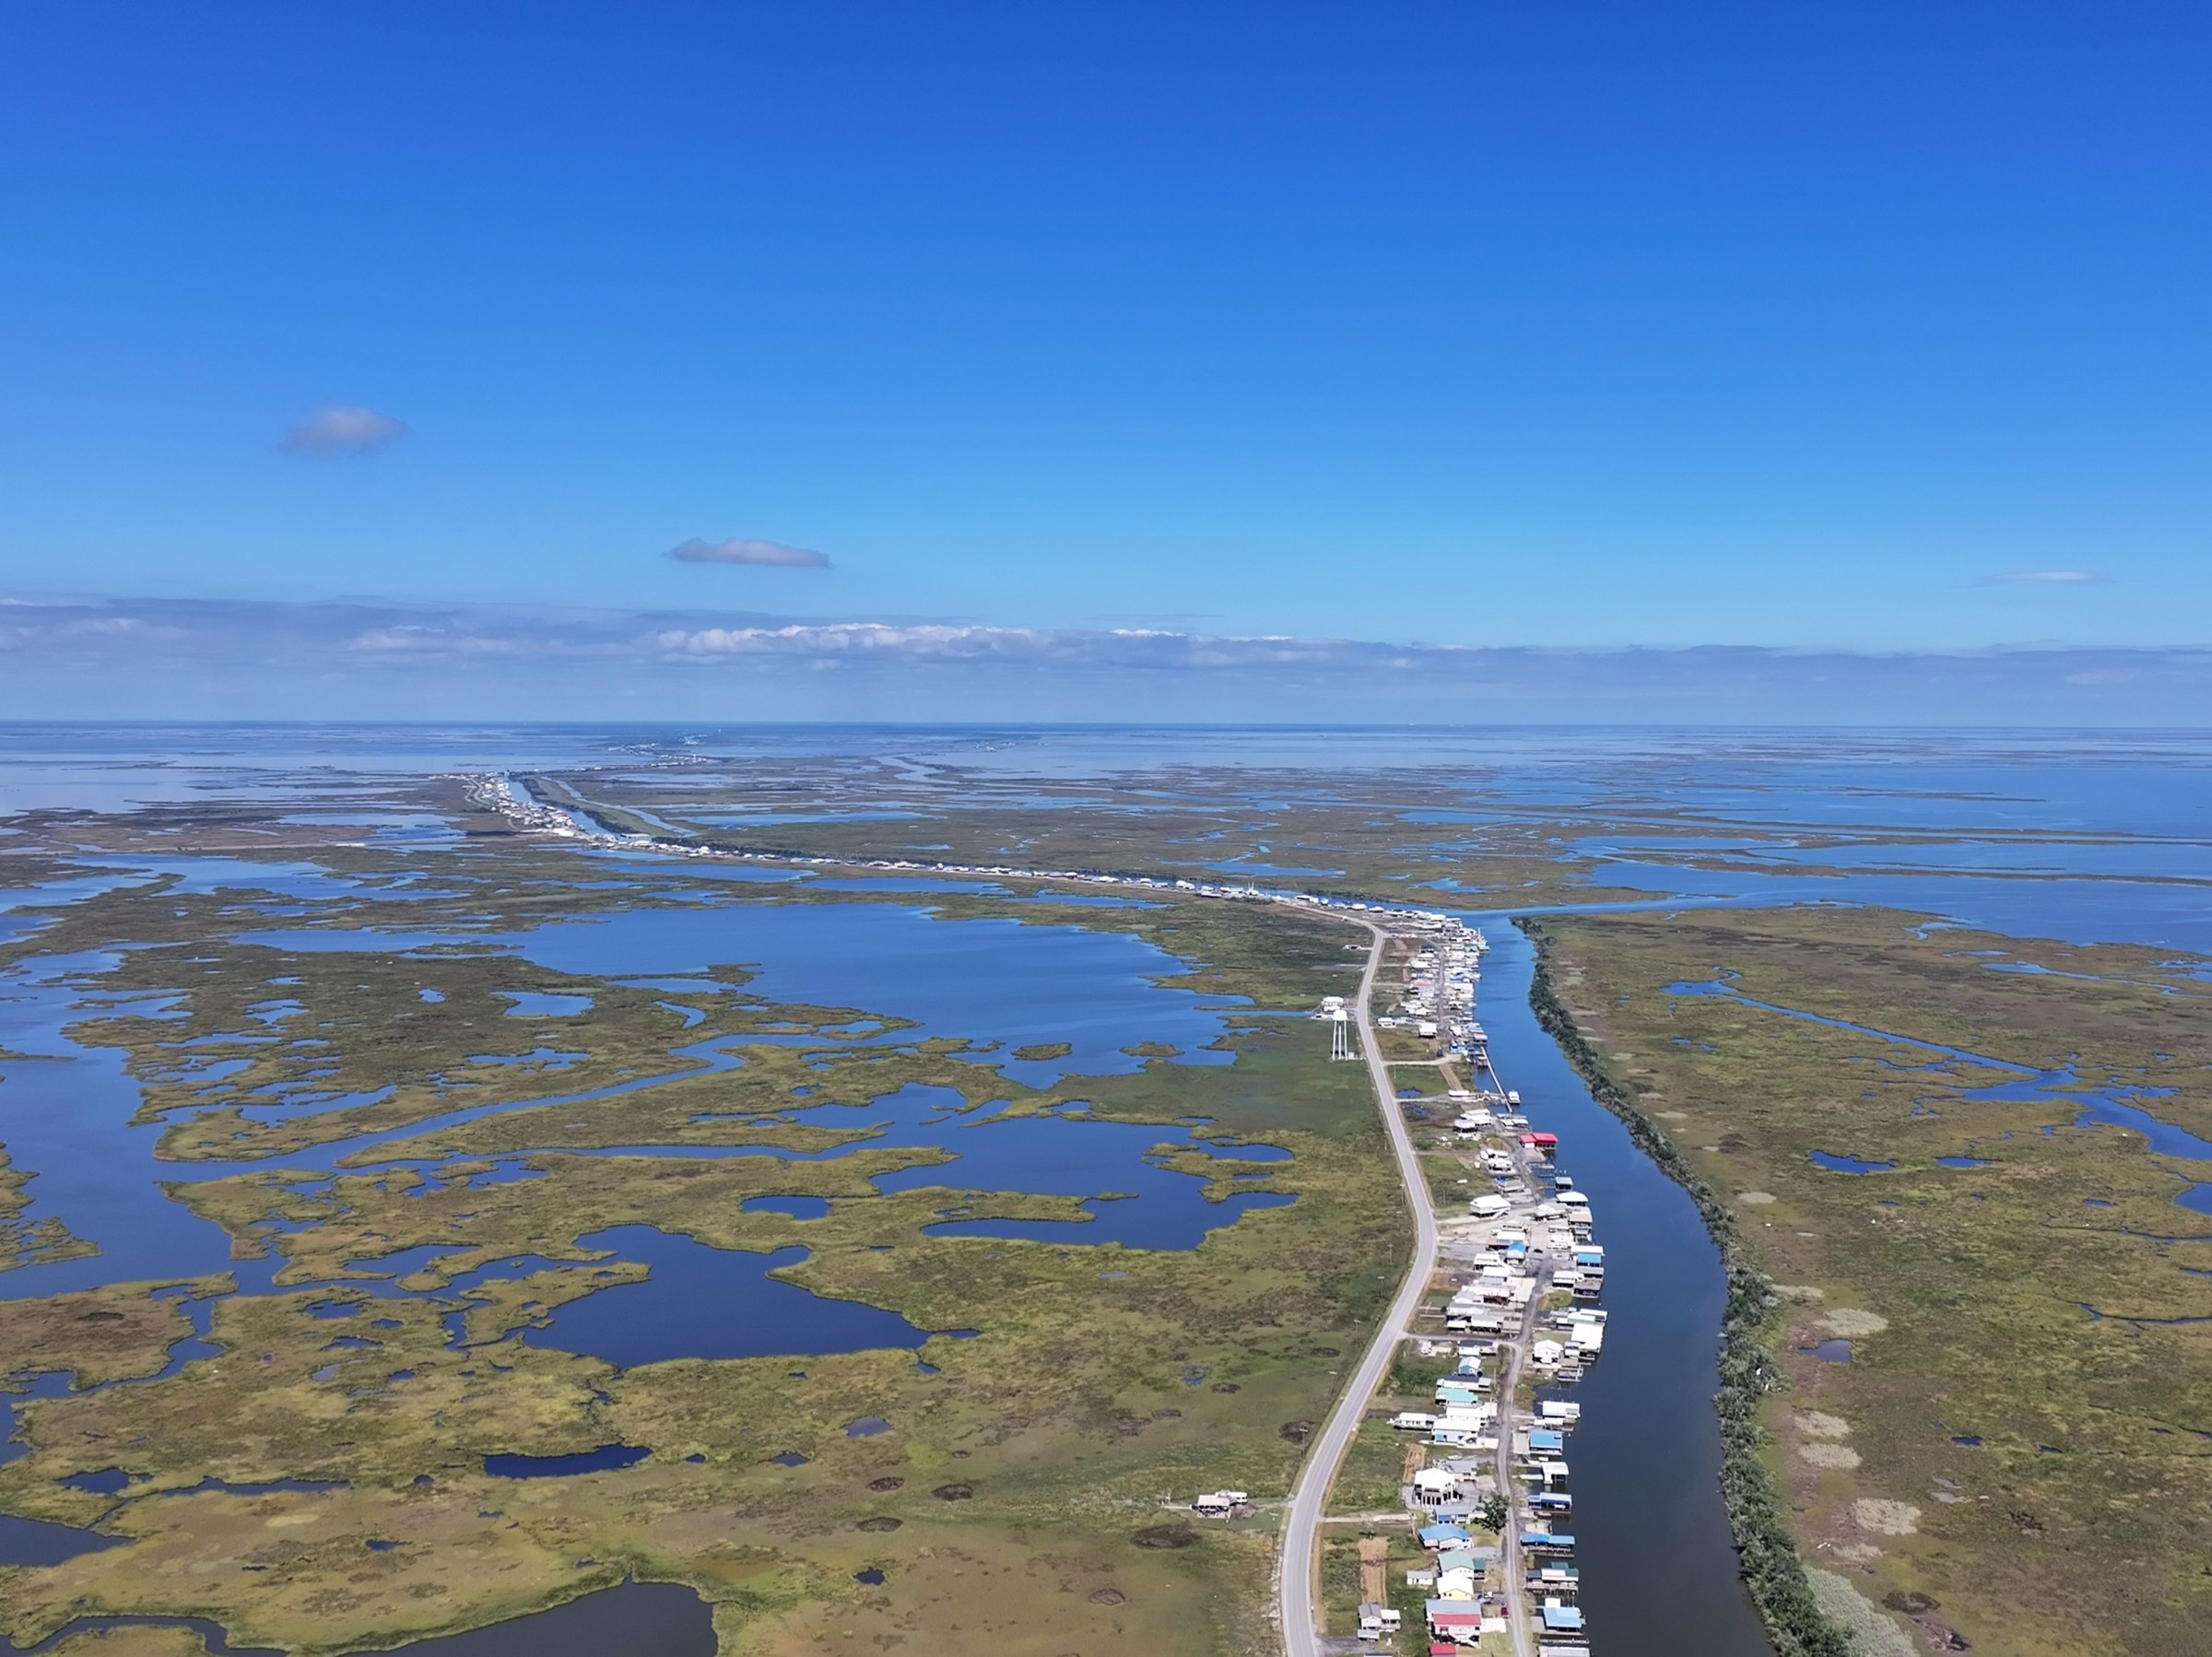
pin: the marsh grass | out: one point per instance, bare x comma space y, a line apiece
1069, 1420
2041, 1302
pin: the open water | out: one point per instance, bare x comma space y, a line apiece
2082, 836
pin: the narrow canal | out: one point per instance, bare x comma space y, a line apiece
1659, 1575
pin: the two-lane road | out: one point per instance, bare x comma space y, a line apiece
1298, 1562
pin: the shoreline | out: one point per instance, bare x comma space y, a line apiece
1771, 1567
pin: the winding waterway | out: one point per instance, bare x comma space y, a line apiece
1658, 1563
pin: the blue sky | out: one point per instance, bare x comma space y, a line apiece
1587, 324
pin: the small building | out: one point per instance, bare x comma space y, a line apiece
1378, 1622
1443, 1535
1457, 1620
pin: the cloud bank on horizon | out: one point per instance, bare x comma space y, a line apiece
64, 657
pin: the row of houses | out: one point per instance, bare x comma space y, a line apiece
1439, 1001
1573, 1338
1534, 1232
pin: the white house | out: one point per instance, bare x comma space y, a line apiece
1378, 1622
1457, 1583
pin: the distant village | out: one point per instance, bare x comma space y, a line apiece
1511, 1325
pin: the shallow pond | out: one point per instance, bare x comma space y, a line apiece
607, 1457
1020, 982
37, 1541
703, 1302
990, 981
634, 1619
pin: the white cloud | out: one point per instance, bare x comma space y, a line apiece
338, 429
2046, 578
2105, 676
923, 642
857, 638
541, 657
450, 642
738, 551
391, 638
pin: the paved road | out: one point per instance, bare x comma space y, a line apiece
1518, 1621
1296, 1572
1513, 1359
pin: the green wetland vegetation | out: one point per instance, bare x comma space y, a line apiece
994, 1474
430, 1160
1997, 1338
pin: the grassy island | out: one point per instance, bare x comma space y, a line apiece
1994, 1317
